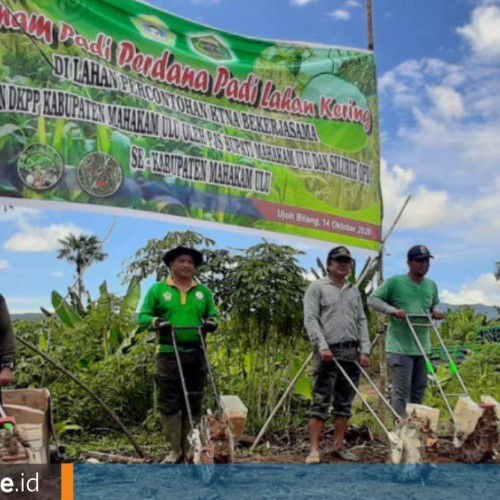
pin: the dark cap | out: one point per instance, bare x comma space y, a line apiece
178, 251
419, 252
338, 252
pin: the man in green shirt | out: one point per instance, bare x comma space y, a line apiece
410, 293
177, 302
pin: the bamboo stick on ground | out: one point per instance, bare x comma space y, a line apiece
89, 391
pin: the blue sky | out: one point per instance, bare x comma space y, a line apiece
439, 75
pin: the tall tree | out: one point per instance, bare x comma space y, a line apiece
83, 251
497, 270
268, 289
148, 260
216, 272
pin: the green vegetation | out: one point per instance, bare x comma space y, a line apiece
479, 368
257, 350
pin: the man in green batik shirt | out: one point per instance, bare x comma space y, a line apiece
179, 301
410, 293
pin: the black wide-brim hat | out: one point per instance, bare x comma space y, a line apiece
178, 251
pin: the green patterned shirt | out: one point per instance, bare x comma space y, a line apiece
165, 300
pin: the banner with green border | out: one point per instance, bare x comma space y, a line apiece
119, 104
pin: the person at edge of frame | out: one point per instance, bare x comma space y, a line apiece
337, 328
7, 346
410, 293
179, 301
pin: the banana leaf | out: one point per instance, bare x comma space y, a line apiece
67, 314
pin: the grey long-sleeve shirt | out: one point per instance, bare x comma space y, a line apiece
7, 346
333, 314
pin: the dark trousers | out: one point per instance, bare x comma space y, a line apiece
409, 380
169, 396
330, 388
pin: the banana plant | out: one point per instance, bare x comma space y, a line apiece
110, 318
67, 314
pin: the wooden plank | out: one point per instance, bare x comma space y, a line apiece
31, 409
25, 415
38, 399
36, 436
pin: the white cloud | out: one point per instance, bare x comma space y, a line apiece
449, 114
483, 32
466, 218
3, 265
427, 208
482, 212
17, 213
57, 274
340, 14
411, 69
301, 3
447, 101
472, 145
429, 130
34, 238
344, 14
484, 290
18, 305
406, 84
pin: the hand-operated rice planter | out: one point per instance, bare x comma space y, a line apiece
24, 426
212, 439
11, 450
475, 425
426, 321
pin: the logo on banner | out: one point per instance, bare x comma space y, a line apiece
40, 166
211, 47
99, 174
154, 28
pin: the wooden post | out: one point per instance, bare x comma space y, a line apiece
369, 24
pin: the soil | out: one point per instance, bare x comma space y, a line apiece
369, 450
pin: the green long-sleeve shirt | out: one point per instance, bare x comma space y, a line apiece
165, 300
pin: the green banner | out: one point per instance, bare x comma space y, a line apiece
119, 104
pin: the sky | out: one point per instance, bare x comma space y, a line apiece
438, 65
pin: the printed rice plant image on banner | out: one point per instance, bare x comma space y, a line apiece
118, 104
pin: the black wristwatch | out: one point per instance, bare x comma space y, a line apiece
7, 364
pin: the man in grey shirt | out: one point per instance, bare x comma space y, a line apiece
336, 325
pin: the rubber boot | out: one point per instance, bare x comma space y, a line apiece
172, 429
186, 431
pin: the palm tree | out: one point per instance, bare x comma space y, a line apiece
82, 250
497, 270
